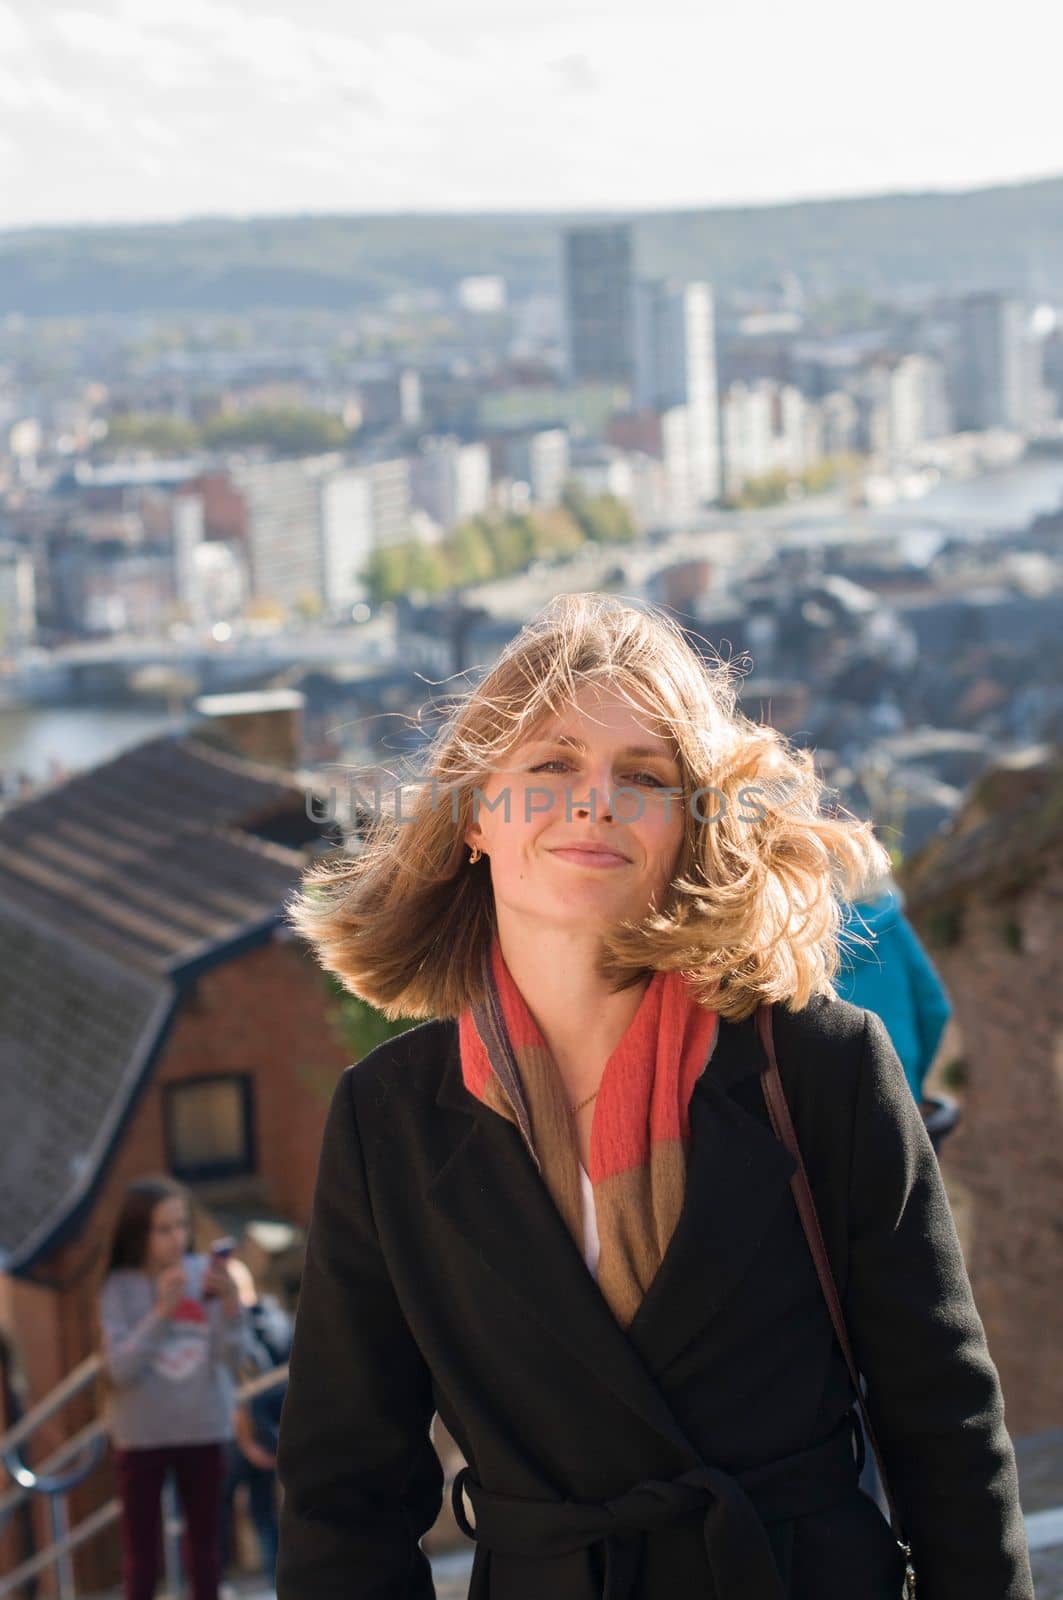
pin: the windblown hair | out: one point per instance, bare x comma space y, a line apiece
752, 913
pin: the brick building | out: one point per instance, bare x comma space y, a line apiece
156, 1015
986, 894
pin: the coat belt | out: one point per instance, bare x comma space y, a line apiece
738, 1505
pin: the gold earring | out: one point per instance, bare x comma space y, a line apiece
476, 854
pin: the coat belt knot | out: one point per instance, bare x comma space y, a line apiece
737, 1507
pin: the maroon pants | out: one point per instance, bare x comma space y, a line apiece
198, 1469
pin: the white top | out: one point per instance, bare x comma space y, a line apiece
590, 1222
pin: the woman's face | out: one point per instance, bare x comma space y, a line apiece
562, 784
168, 1235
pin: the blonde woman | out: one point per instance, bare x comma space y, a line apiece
557, 1211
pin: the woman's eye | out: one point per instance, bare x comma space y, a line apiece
653, 777
557, 762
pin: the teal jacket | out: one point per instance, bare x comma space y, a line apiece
886, 970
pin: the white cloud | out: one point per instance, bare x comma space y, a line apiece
576, 74
14, 36
154, 131
199, 107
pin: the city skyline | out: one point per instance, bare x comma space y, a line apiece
116, 112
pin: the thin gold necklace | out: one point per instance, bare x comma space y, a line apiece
583, 1103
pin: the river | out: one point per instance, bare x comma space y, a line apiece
32, 737
995, 502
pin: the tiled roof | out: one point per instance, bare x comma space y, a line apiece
75, 1029
147, 856
110, 883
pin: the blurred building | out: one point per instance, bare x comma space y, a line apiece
482, 294
656, 445
1052, 366
449, 399
311, 523
210, 574
450, 480
901, 402
18, 606
103, 588
349, 533
538, 457
188, 530
675, 368
603, 469
389, 498
146, 896
282, 500
362, 509
766, 427
634, 473
598, 303
997, 373
391, 399
839, 423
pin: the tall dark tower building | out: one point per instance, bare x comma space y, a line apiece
598, 303
995, 365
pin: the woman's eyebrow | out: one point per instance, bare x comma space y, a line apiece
570, 740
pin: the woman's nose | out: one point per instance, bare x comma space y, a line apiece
599, 792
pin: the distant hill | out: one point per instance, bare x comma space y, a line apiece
1006, 236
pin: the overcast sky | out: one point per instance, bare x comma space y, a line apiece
138, 110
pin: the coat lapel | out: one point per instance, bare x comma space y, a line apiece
487, 1190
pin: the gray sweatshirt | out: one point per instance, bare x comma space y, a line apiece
173, 1377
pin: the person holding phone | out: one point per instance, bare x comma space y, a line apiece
174, 1337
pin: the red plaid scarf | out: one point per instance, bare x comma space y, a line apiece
641, 1127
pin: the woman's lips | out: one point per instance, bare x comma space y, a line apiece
592, 858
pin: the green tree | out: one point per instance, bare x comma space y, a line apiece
161, 434
575, 500
361, 1026
611, 521
288, 430
505, 542
428, 570
471, 557
557, 532
385, 574
525, 542
602, 517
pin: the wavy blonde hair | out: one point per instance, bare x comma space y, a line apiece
752, 912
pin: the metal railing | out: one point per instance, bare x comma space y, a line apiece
941, 1113
55, 1478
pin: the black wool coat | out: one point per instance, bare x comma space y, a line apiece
706, 1450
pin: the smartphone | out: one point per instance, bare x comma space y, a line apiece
220, 1250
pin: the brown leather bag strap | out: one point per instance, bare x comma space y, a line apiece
779, 1112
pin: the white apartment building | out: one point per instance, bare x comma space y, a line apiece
902, 402
675, 367
541, 460
18, 603
282, 501
767, 427
450, 480
312, 522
